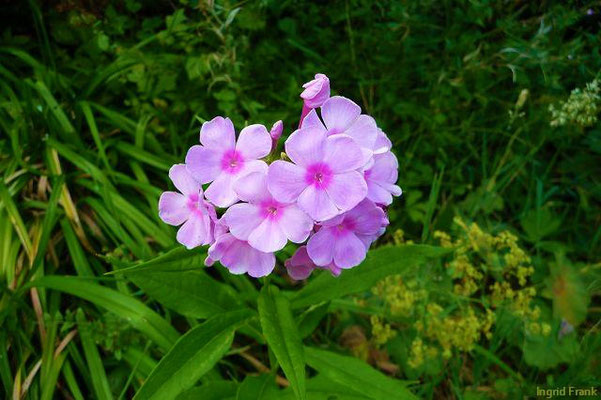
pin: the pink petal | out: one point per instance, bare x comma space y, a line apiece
312, 120
300, 265
295, 223
317, 204
254, 142
252, 188
285, 181
260, 264
367, 218
173, 208
364, 131
183, 180
339, 113
229, 251
349, 252
221, 191
343, 154
305, 146
242, 219
378, 194
347, 190
316, 91
195, 232
383, 143
204, 163
321, 247
218, 133
267, 237
385, 168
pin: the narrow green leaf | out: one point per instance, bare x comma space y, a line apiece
357, 375
282, 337
379, 264
126, 307
16, 220
322, 388
100, 383
192, 356
177, 280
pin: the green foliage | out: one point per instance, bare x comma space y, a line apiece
492, 108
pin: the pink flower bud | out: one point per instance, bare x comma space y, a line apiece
316, 91
276, 130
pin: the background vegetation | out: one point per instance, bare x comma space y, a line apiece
99, 99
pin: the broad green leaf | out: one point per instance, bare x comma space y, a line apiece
282, 336
357, 375
380, 263
261, 387
177, 280
126, 307
192, 356
569, 294
215, 390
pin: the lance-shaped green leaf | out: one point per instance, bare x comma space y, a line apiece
124, 306
192, 356
357, 375
283, 337
379, 264
177, 280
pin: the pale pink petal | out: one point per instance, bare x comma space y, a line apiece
194, 232
367, 218
312, 120
305, 146
317, 204
285, 181
204, 163
383, 143
183, 180
339, 113
385, 168
268, 237
251, 166
253, 187
230, 252
333, 269
347, 190
295, 223
254, 142
260, 264
218, 133
343, 154
242, 219
300, 265
173, 208
321, 247
221, 191
349, 252
364, 131
316, 91
378, 194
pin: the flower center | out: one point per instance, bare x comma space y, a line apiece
232, 161
271, 209
319, 175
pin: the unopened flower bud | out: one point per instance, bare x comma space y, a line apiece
316, 91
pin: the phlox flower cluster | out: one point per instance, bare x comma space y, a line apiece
328, 193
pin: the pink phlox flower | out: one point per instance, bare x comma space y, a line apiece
381, 177
316, 91
188, 208
343, 116
267, 224
322, 176
221, 160
340, 239
239, 257
300, 266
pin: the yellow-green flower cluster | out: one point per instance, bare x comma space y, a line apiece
487, 271
581, 107
401, 298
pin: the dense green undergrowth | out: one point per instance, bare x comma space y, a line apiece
499, 148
